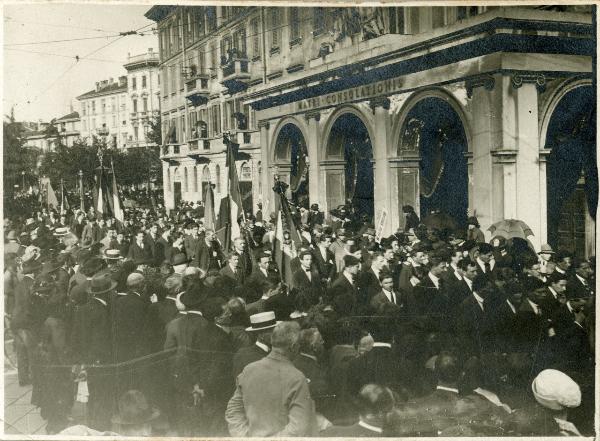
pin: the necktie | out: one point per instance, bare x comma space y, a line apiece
487, 268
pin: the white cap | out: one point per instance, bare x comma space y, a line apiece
556, 390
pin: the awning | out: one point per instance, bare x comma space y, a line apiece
199, 158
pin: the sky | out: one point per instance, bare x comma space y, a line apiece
43, 85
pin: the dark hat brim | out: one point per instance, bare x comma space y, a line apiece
113, 285
154, 414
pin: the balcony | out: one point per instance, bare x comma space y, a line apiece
235, 74
196, 89
199, 144
173, 151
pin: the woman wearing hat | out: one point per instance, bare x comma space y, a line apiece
473, 230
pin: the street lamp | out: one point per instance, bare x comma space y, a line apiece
23, 178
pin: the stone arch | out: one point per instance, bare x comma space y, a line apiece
277, 156
413, 100
566, 87
331, 120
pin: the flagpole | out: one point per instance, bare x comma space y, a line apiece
62, 197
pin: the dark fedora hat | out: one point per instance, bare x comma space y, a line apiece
193, 297
134, 409
179, 259
101, 283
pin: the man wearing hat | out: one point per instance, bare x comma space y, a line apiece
12, 245
179, 262
315, 216
272, 396
92, 345
91, 233
545, 255
130, 314
192, 370
23, 321
555, 394
261, 328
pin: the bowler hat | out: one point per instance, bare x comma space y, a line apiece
262, 321
192, 298
101, 283
134, 409
179, 259
350, 260
314, 207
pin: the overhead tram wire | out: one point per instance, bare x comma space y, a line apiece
12, 20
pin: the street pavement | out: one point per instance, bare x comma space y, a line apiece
20, 417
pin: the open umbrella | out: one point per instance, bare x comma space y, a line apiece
440, 221
509, 228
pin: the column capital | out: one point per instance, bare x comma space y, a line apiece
504, 156
486, 81
264, 123
313, 114
539, 79
383, 102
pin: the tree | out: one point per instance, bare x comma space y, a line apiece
18, 157
154, 133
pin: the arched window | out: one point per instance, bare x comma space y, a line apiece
218, 178
205, 180
169, 178
246, 172
185, 180
195, 179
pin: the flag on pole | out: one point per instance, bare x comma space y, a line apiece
233, 190
209, 208
64, 202
117, 209
287, 239
47, 195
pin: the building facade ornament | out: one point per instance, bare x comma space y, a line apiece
486, 81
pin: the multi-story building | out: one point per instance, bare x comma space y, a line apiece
104, 112
40, 135
143, 90
467, 110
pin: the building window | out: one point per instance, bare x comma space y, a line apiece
318, 21
275, 29
226, 45
135, 132
103, 105
143, 81
215, 119
123, 123
218, 178
166, 81
185, 179
239, 42
211, 18
396, 20
246, 172
294, 25
83, 107
145, 103
135, 106
93, 107
255, 38
183, 129
133, 83
213, 60
173, 79
195, 179
438, 17
84, 125
113, 104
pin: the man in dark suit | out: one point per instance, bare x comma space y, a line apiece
555, 295
191, 241
306, 283
505, 317
259, 279
139, 251
381, 365
232, 270
92, 342
162, 249
324, 260
579, 285
315, 217
308, 362
459, 282
160, 314
344, 291
151, 240
430, 295
388, 301
208, 254
445, 412
261, 327
121, 244
374, 404
369, 278
485, 260
474, 325
245, 259
409, 276
130, 312
91, 233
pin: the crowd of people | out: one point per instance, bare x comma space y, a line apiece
149, 326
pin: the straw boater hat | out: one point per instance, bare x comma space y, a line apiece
262, 321
112, 254
61, 231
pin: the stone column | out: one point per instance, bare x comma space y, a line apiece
314, 169
486, 202
525, 95
382, 175
168, 187
267, 180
